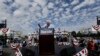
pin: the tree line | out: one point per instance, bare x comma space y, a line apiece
89, 34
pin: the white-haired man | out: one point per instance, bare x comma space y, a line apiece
48, 24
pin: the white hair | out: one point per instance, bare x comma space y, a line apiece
48, 21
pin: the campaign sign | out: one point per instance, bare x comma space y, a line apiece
46, 31
46, 41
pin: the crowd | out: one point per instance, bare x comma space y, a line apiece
92, 44
93, 47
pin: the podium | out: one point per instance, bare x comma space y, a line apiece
46, 41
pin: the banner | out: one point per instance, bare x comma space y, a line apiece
5, 31
83, 52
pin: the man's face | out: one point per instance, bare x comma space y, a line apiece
48, 23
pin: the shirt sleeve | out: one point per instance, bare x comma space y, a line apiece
43, 26
51, 26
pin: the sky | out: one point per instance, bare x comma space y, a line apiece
24, 15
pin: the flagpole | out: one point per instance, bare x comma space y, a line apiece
98, 23
5, 22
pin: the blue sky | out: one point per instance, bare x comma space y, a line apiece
24, 15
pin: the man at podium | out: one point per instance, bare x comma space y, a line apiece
48, 24
46, 32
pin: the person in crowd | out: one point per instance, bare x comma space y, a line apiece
29, 40
18, 52
70, 51
11, 40
59, 36
82, 42
98, 42
75, 42
15, 47
92, 47
24, 44
8, 42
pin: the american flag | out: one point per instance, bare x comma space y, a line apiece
5, 30
97, 27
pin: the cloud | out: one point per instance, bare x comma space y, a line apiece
75, 2
45, 12
23, 15
18, 13
41, 2
22, 2
65, 4
50, 5
85, 3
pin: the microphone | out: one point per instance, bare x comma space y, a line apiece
39, 25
